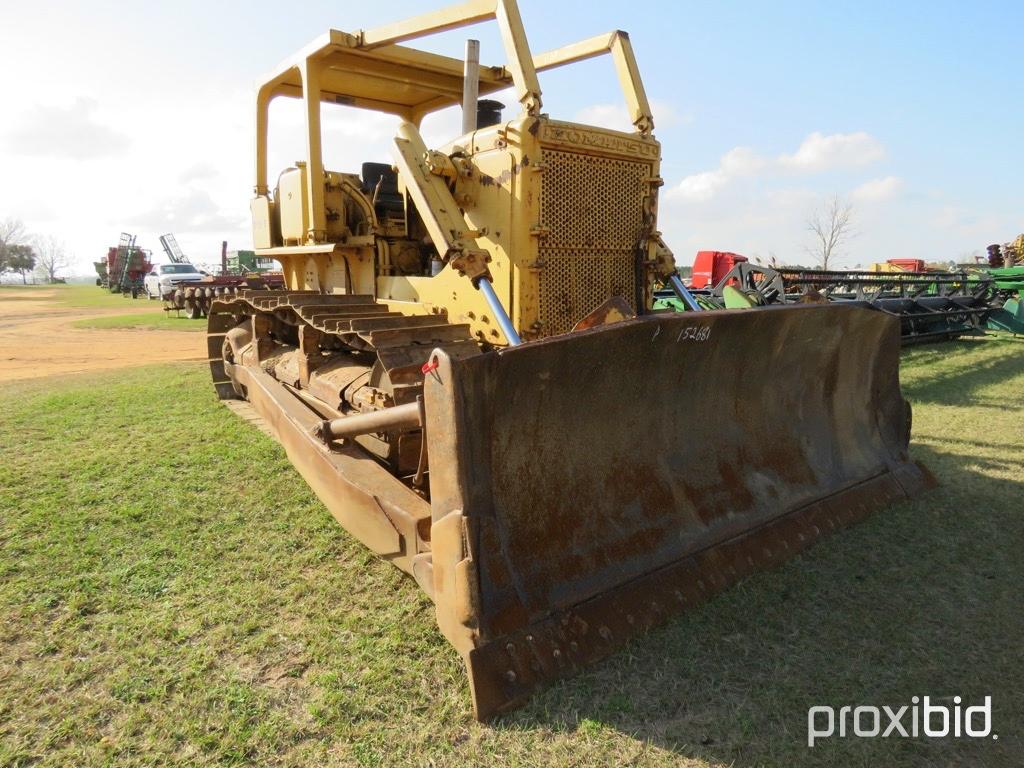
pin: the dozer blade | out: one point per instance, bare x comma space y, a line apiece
588, 486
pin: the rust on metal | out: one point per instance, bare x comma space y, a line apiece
580, 531
396, 417
614, 310
557, 478
584, 487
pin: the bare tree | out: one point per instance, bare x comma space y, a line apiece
832, 227
12, 231
50, 257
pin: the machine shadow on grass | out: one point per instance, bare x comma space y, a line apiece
961, 385
921, 599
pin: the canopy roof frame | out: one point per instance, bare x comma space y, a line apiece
370, 70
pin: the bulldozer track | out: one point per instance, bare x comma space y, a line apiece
355, 321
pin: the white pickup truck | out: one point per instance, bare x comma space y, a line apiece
164, 277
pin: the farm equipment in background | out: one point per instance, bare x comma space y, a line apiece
900, 265
248, 263
194, 296
241, 262
711, 267
465, 367
124, 268
930, 305
1007, 255
1008, 280
1008, 314
172, 250
1006, 270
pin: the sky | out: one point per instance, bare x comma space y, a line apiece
127, 116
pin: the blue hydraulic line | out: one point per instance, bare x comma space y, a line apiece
684, 294
499, 311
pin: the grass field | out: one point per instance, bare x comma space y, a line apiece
172, 593
92, 296
141, 312
79, 296
159, 320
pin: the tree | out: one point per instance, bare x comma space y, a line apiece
21, 259
832, 227
51, 257
12, 232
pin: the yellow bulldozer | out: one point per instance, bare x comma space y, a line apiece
466, 368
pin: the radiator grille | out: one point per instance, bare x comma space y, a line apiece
592, 208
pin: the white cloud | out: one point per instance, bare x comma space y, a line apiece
69, 132
837, 150
877, 190
612, 116
198, 172
616, 117
962, 222
765, 215
701, 187
192, 211
748, 219
740, 161
817, 153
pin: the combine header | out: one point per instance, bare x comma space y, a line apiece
1008, 315
931, 306
465, 366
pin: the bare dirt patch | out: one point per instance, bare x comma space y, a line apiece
38, 338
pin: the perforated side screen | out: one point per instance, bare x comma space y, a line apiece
592, 208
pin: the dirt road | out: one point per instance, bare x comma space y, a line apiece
38, 338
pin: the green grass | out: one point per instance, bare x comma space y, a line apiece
145, 314
78, 296
172, 593
92, 296
160, 320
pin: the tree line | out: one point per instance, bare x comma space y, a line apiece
23, 253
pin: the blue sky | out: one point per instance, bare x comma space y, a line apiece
138, 116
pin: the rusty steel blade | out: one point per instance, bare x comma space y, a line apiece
588, 486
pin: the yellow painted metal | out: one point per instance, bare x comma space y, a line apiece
885, 266
618, 45
441, 20
429, 192
562, 215
542, 552
292, 188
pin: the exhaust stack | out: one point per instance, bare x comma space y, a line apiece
470, 86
